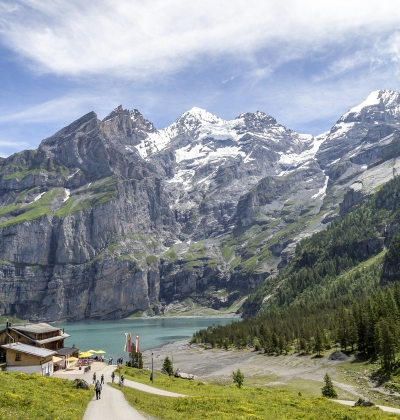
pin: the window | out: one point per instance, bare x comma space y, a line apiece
17, 357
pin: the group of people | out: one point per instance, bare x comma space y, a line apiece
98, 384
120, 361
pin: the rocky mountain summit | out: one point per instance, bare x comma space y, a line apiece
109, 217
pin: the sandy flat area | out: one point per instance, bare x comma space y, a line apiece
216, 364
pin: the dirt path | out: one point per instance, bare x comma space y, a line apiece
382, 407
112, 404
151, 390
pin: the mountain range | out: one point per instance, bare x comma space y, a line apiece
109, 217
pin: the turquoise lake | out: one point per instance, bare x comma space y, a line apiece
154, 332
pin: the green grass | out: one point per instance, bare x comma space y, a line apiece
97, 194
126, 257
21, 171
13, 320
227, 252
8, 209
32, 397
151, 260
213, 263
33, 211
227, 402
195, 252
170, 255
192, 264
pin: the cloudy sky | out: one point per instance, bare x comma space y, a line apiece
303, 62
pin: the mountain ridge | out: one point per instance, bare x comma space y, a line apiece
130, 219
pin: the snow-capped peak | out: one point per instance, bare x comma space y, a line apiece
372, 99
196, 114
388, 98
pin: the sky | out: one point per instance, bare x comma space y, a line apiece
303, 62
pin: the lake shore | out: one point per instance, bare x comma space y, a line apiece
217, 365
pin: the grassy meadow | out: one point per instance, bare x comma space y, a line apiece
209, 401
32, 397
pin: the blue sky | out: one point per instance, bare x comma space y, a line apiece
303, 62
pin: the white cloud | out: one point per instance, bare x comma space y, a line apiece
11, 143
385, 50
64, 109
133, 39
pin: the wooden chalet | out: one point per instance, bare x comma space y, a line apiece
34, 348
29, 359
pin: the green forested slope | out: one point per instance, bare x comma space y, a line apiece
339, 287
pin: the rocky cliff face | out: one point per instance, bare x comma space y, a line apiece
109, 217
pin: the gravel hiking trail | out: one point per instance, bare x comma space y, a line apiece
112, 404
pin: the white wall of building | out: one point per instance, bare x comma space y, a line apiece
45, 370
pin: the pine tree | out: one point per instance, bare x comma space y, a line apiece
387, 343
136, 359
238, 378
318, 343
328, 390
167, 366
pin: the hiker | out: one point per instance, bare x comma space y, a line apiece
112, 377
97, 388
102, 379
122, 379
94, 377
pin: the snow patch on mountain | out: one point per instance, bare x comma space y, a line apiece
154, 142
203, 153
296, 159
322, 191
372, 99
67, 194
383, 100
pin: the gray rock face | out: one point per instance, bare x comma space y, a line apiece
374, 119
114, 216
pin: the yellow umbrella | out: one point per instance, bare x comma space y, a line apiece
72, 359
90, 351
100, 352
85, 354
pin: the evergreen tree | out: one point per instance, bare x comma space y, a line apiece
136, 359
386, 343
238, 378
328, 390
167, 366
318, 342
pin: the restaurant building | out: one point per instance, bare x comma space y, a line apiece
35, 348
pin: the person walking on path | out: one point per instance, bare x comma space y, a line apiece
94, 378
112, 376
98, 388
102, 379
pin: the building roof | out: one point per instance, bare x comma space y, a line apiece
40, 328
51, 339
66, 351
26, 348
